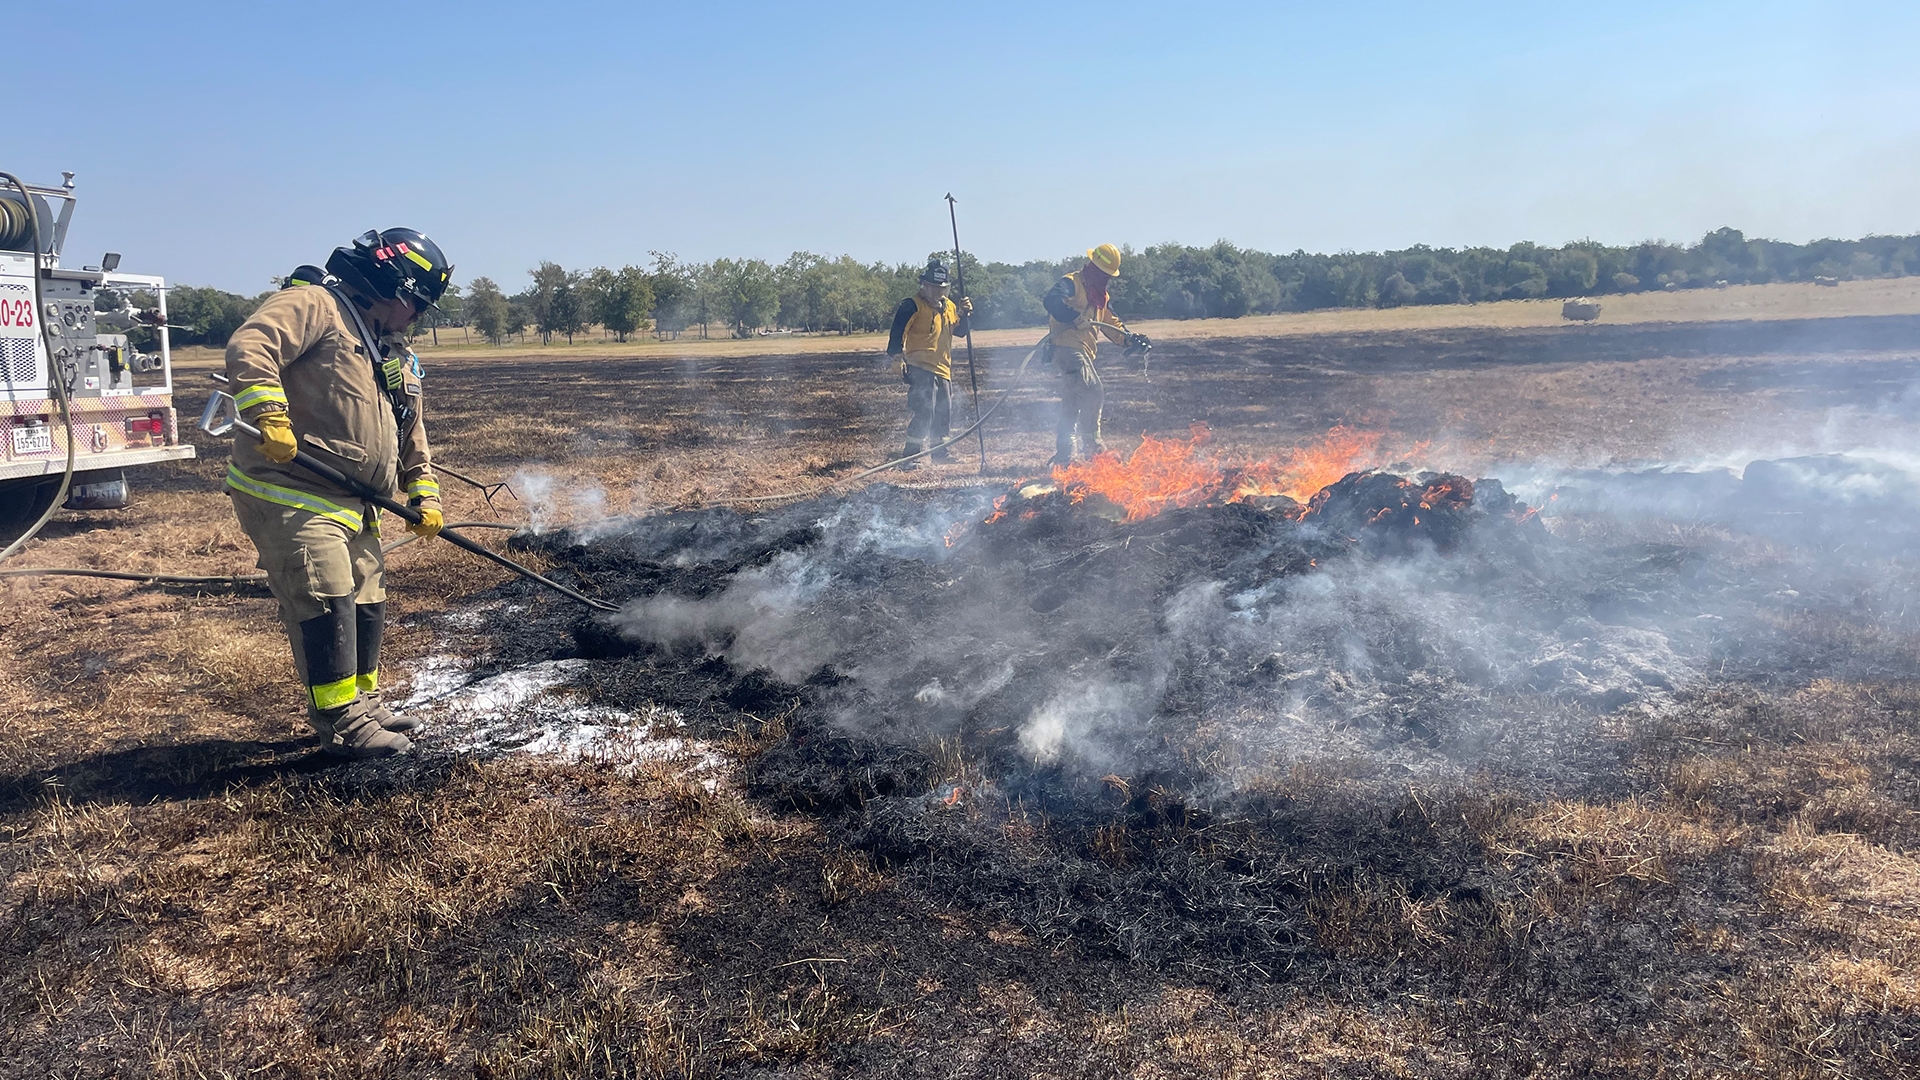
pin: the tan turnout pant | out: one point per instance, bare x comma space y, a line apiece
308, 560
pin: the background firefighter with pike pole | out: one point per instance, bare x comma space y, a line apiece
1077, 314
922, 342
322, 371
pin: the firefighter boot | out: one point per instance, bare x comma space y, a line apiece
346, 725
370, 624
386, 717
352, 732
1062, 452
943, 456
1063, 429
912, 448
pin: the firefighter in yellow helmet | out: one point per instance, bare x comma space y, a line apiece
922, 342
323, 367
1077, 316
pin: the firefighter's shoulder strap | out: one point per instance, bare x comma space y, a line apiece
404, 414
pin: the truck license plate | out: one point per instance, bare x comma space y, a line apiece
32, 439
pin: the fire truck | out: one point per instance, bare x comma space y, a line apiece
108, 334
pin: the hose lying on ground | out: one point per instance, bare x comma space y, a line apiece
219, 579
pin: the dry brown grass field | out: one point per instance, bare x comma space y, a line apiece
186, 890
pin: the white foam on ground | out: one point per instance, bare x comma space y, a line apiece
435, 678
535, 710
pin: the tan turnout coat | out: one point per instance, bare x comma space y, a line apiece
302, 353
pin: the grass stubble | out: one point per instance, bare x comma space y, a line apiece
185, 892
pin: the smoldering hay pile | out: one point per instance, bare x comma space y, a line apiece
1138, 677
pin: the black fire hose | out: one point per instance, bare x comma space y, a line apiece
334, 476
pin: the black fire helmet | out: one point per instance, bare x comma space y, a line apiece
393, 265
304, 274
936, 272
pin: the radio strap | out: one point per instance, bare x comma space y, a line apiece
385, 372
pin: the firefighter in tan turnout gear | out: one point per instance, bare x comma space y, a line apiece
922, 341
1077, 315
322, 368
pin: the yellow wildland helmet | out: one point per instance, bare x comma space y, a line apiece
1106, 258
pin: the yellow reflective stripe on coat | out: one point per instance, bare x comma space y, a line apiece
299, 500
336, 693
368, 682
424, 489
264, 394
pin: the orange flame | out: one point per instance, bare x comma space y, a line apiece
1305, 470
1166, 473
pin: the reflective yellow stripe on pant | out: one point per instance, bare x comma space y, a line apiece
299, 500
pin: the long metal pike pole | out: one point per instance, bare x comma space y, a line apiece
212, 423
973, 377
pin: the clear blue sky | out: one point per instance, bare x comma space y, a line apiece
223, 143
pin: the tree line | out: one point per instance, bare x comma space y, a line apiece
817, 293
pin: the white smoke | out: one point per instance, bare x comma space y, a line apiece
554, 501
760, 620
1075, 723
1524, 653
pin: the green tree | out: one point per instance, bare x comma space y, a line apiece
672, 284
621, 301
519, 313
802, 284
566, 308
858, 296
203, 316
487, 310
1572, 272
548, 277
744, 292
1525, 280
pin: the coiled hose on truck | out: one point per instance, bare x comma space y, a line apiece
54, 380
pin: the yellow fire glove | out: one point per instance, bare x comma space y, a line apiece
276, 437
429, 524
966, 305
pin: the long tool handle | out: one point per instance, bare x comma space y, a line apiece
334, 476
973, 378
